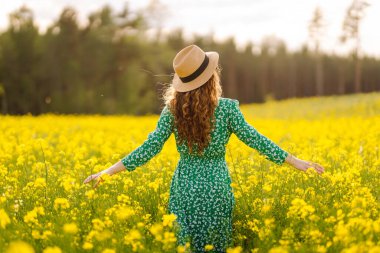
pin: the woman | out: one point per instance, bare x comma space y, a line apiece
202, 121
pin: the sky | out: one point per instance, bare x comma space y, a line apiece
245, 20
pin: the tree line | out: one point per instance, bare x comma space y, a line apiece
114, 64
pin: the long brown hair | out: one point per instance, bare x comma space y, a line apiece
194, 112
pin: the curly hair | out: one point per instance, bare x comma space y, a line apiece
194, 112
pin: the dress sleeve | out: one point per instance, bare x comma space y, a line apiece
153, 144
251, 137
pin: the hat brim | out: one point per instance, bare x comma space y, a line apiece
201, 79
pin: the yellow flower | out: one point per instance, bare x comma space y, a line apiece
54, 249
36, 234
266, 208
4, 219
20, 160
234, 185
169, 237
183, 248
109, 251
108, 222
124, 199
253, 180
87, 245
300, 209
98, 224
40, 210
254, 225
267, 187
31, 217
69, 183
41, 234
124, 212
168, 219
61, 203
278, 250
322, 249
40, 182
132, 238
90, 194
2, 199
237, 249
70, 228
19, 247
103, 235
156, 230
132, 235
269, 222
154, 185
316, 235
209, 247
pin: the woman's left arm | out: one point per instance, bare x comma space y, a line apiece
146, 151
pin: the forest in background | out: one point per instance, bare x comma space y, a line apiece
115, 65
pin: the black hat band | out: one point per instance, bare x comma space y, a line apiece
197, 72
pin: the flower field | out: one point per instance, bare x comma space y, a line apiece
45, 207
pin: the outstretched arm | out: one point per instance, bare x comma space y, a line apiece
251, 137
153, 144
146, 151
117, 167
303, 165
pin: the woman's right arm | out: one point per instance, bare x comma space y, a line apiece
117, 167
142, 154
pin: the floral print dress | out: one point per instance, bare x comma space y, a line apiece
200, 193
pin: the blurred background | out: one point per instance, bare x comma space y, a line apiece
115, 57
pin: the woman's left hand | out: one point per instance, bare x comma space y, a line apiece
93, 177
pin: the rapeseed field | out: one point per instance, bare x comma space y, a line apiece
45, 207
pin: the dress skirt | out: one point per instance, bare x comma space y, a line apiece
201, 196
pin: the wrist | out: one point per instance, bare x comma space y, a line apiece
116, 168
290, 159
106, 171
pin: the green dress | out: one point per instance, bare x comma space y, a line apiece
200, 193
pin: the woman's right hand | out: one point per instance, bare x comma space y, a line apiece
304, 165
93, 177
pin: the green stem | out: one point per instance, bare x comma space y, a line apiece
46, 170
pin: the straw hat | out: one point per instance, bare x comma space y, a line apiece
193, 67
